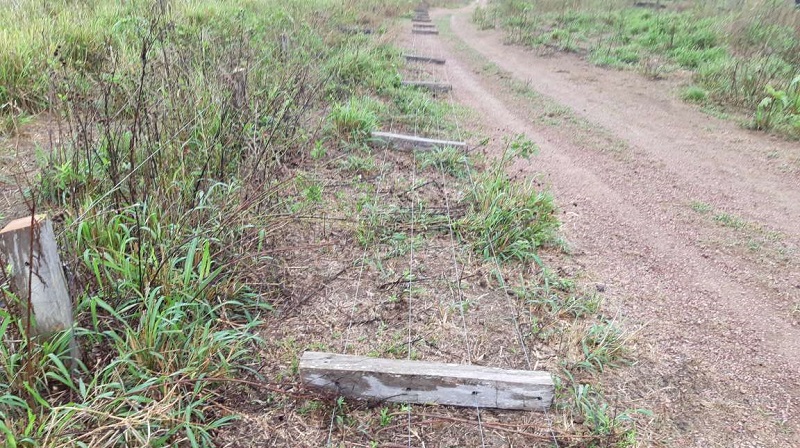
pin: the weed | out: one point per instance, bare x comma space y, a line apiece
508, 220
358, 164
182, 117
602, 346
355, 120
780, 109
701, 207
729, 220
741, 59
445, 159
386, 417
695, 94
318, 151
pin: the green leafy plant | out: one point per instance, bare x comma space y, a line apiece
354, 120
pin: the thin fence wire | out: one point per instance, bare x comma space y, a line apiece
514, 310
457, 299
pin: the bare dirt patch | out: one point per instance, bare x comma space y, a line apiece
18, 163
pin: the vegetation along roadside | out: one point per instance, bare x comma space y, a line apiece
742, 57
222, 208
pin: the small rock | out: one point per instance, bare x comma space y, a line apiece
600, 287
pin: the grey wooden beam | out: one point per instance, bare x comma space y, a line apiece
419, 31
413, 142
433, 86
429, 59
423, 25
421, 20
421, 382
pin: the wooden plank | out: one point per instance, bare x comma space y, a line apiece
414, 142
428, 59
423, 26
433, 86
38, 275
354, 30
418, 31
421, 382
421, 19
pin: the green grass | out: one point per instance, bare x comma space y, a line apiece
355, 120
695, 94
508, 220
172, 196
191, 121
739, 59
728, 220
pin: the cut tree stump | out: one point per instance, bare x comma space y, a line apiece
421, 382
428, 59
421, 31
413, 142
433, 86
45, 285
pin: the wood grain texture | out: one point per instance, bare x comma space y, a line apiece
413, 142
40, 276
52, 306
421, 382
428, 59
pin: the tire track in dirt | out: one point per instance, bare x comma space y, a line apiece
719, 356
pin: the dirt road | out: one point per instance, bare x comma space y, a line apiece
692, 222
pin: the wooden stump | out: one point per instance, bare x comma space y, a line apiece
38, 275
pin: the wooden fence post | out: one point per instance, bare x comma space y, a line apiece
38, 275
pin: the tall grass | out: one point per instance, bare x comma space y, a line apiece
177, 118
740, 52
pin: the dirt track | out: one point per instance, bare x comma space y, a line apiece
711, 287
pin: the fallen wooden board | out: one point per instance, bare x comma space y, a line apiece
429, 59
434, 86
414, 142
423, 382
418, 31
425, 26
421, 19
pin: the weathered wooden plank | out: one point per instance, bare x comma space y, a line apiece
414, 142
38, 275
428, 59
354, 30
423, 382
423, 25
419, 31
433, 86
421, 19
